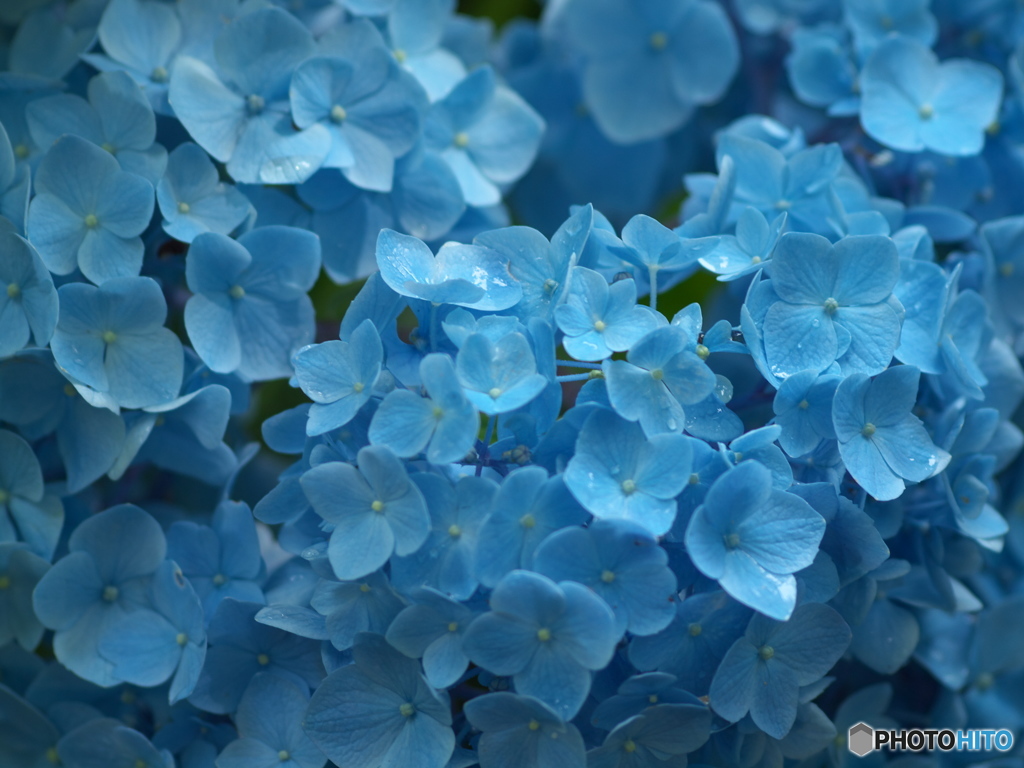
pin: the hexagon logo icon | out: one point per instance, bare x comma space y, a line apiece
861, 739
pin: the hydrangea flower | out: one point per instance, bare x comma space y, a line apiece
664, 729
872, 21
599, 319
250, 310
379, 709
194, 200
222, 560
39, 400
644, 72
269, 721
148, 647
498, 377
371, 108
350, 607
465, 275
803, 408
774, 182
834, 305
140, 37
239, 647
617, 473
547, 636
28, 306
881, 441
486, 134
763, 671
526, 509
88, 213
752, 538
339, 377
912, 102
20, 571
622, 563
522, 731
238, 111
103, 578
432, 629
443, 425
117, 118
111, 340
446, 561
661, 374
376, 511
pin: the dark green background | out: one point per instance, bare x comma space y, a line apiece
500, 11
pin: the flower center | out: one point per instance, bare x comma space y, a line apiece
607, 576
868, 429
377, 506
454, 531
1006, 269
694, 479
494, 392
831, 305
400, 55
695, 629
926, 111
657, 374
803, 405
109, 337
91, 221
184, 208
358, 387
703, 352
629, 745
628, 487
255, 104
110, 593
461, 140
527, 521
22, 151
263, 659
158, 75
109, 147
407, 709
236, 292
658, 41
219, 580
765, 652
338, 114
550, 286
181, 639
5, 581
599, 325
543, 634
732, 540
284, 756
13, 290
533, 725
453, 626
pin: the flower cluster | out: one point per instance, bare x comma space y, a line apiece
599, 489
